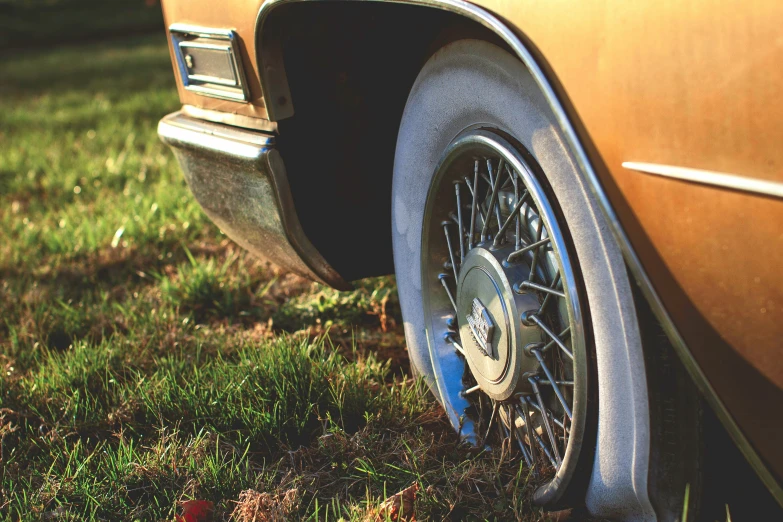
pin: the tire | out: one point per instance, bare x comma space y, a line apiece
473, 93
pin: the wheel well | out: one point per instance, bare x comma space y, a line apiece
349, 68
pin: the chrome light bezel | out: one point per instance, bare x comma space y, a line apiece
187, 36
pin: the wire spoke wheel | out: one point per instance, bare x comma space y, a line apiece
503, 311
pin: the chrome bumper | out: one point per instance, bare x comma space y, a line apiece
239, 179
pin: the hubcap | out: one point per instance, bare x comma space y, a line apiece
504, 318
484, 295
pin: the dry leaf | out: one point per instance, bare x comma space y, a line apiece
399, 507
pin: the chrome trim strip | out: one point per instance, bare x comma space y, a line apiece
214, 93
200, 31
491, 22
227, 118
211, 137
236, 88
709, 177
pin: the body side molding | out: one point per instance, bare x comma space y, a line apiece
709, 177
273, 81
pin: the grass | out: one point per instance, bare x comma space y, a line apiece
146, 360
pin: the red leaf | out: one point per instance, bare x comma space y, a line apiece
196, 511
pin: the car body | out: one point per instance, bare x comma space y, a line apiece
672, 109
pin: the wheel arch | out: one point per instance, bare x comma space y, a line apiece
336, 77
315, 133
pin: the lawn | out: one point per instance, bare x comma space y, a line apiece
147, 360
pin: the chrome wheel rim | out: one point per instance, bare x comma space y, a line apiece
505, 325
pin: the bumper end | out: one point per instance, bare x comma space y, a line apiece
239, 179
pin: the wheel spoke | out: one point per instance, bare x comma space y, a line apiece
548, 296
517, 253
451, 250
552, 343
495, 408
552, 382
479, 212
473, 192
505, 434
542, 445
471, 390
541, 288
550, 333
443, 278
492, 200
530, 433
536, 250
510, 219
510, 412
545, 420
552, 417
496, 187
459, 219
559, 383
450, 338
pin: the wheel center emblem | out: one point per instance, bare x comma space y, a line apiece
481, 327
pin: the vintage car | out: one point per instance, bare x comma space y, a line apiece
569, 193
